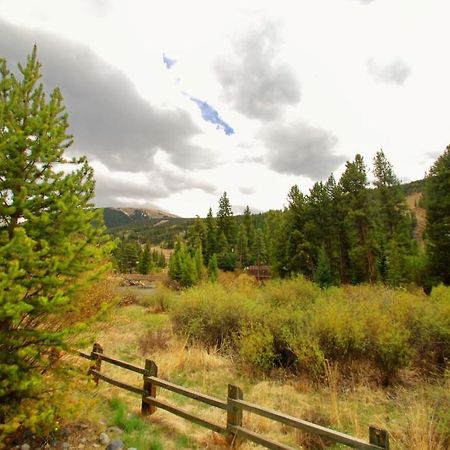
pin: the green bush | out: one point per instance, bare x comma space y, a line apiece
296, 325
211, 315
256, 347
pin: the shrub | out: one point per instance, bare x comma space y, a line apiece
296, 325
256, 347
210, 314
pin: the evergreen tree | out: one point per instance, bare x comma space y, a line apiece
319, 229
197, 234
161, 262
145, 261
358, 221
198, 259
213, 269
249, 226
323, 276
437, 204
273, 221
182, 266
211, 246
128, 255
51, 237
225, 220
295, 251
393, 222
259, 251
336, 247
226, 258
189, 274
242, 251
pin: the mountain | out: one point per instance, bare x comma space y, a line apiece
122, 217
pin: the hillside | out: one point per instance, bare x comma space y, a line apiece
118, 217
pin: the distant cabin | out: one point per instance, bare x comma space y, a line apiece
261, 273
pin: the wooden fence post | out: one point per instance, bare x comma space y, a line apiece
380, 437
96, 348
234, 413
151, 370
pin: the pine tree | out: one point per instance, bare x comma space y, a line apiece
437, 204
130, 254
198, 259
161, 261
197, 234
182, 266
295, 257
260, 256
226, 258
51, 237
242, 251
211, 236
323, 276
145, 261
358, 221
249, 226
175, 263
393, 222
213, 269
225, 220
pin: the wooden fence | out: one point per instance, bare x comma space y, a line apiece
234, 406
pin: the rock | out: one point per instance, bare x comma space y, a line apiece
116, 444
104, 439
25, 447
84, 426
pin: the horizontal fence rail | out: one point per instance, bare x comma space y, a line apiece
234, 406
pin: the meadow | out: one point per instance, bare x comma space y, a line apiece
344, 358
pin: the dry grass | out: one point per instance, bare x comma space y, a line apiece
131, 333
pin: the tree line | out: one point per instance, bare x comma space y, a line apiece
341, 231
130, 256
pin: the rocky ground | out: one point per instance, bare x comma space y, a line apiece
78, 436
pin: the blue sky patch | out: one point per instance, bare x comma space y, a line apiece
168, 61
209, 114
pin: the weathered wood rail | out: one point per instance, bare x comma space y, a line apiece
234, 406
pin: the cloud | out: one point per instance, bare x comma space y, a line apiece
301, 149
253, 81
168, 62
110, 121
100, 8
238, 210
209, 114
394, 72
247, 190
142, 188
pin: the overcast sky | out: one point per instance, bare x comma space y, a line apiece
175, 102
